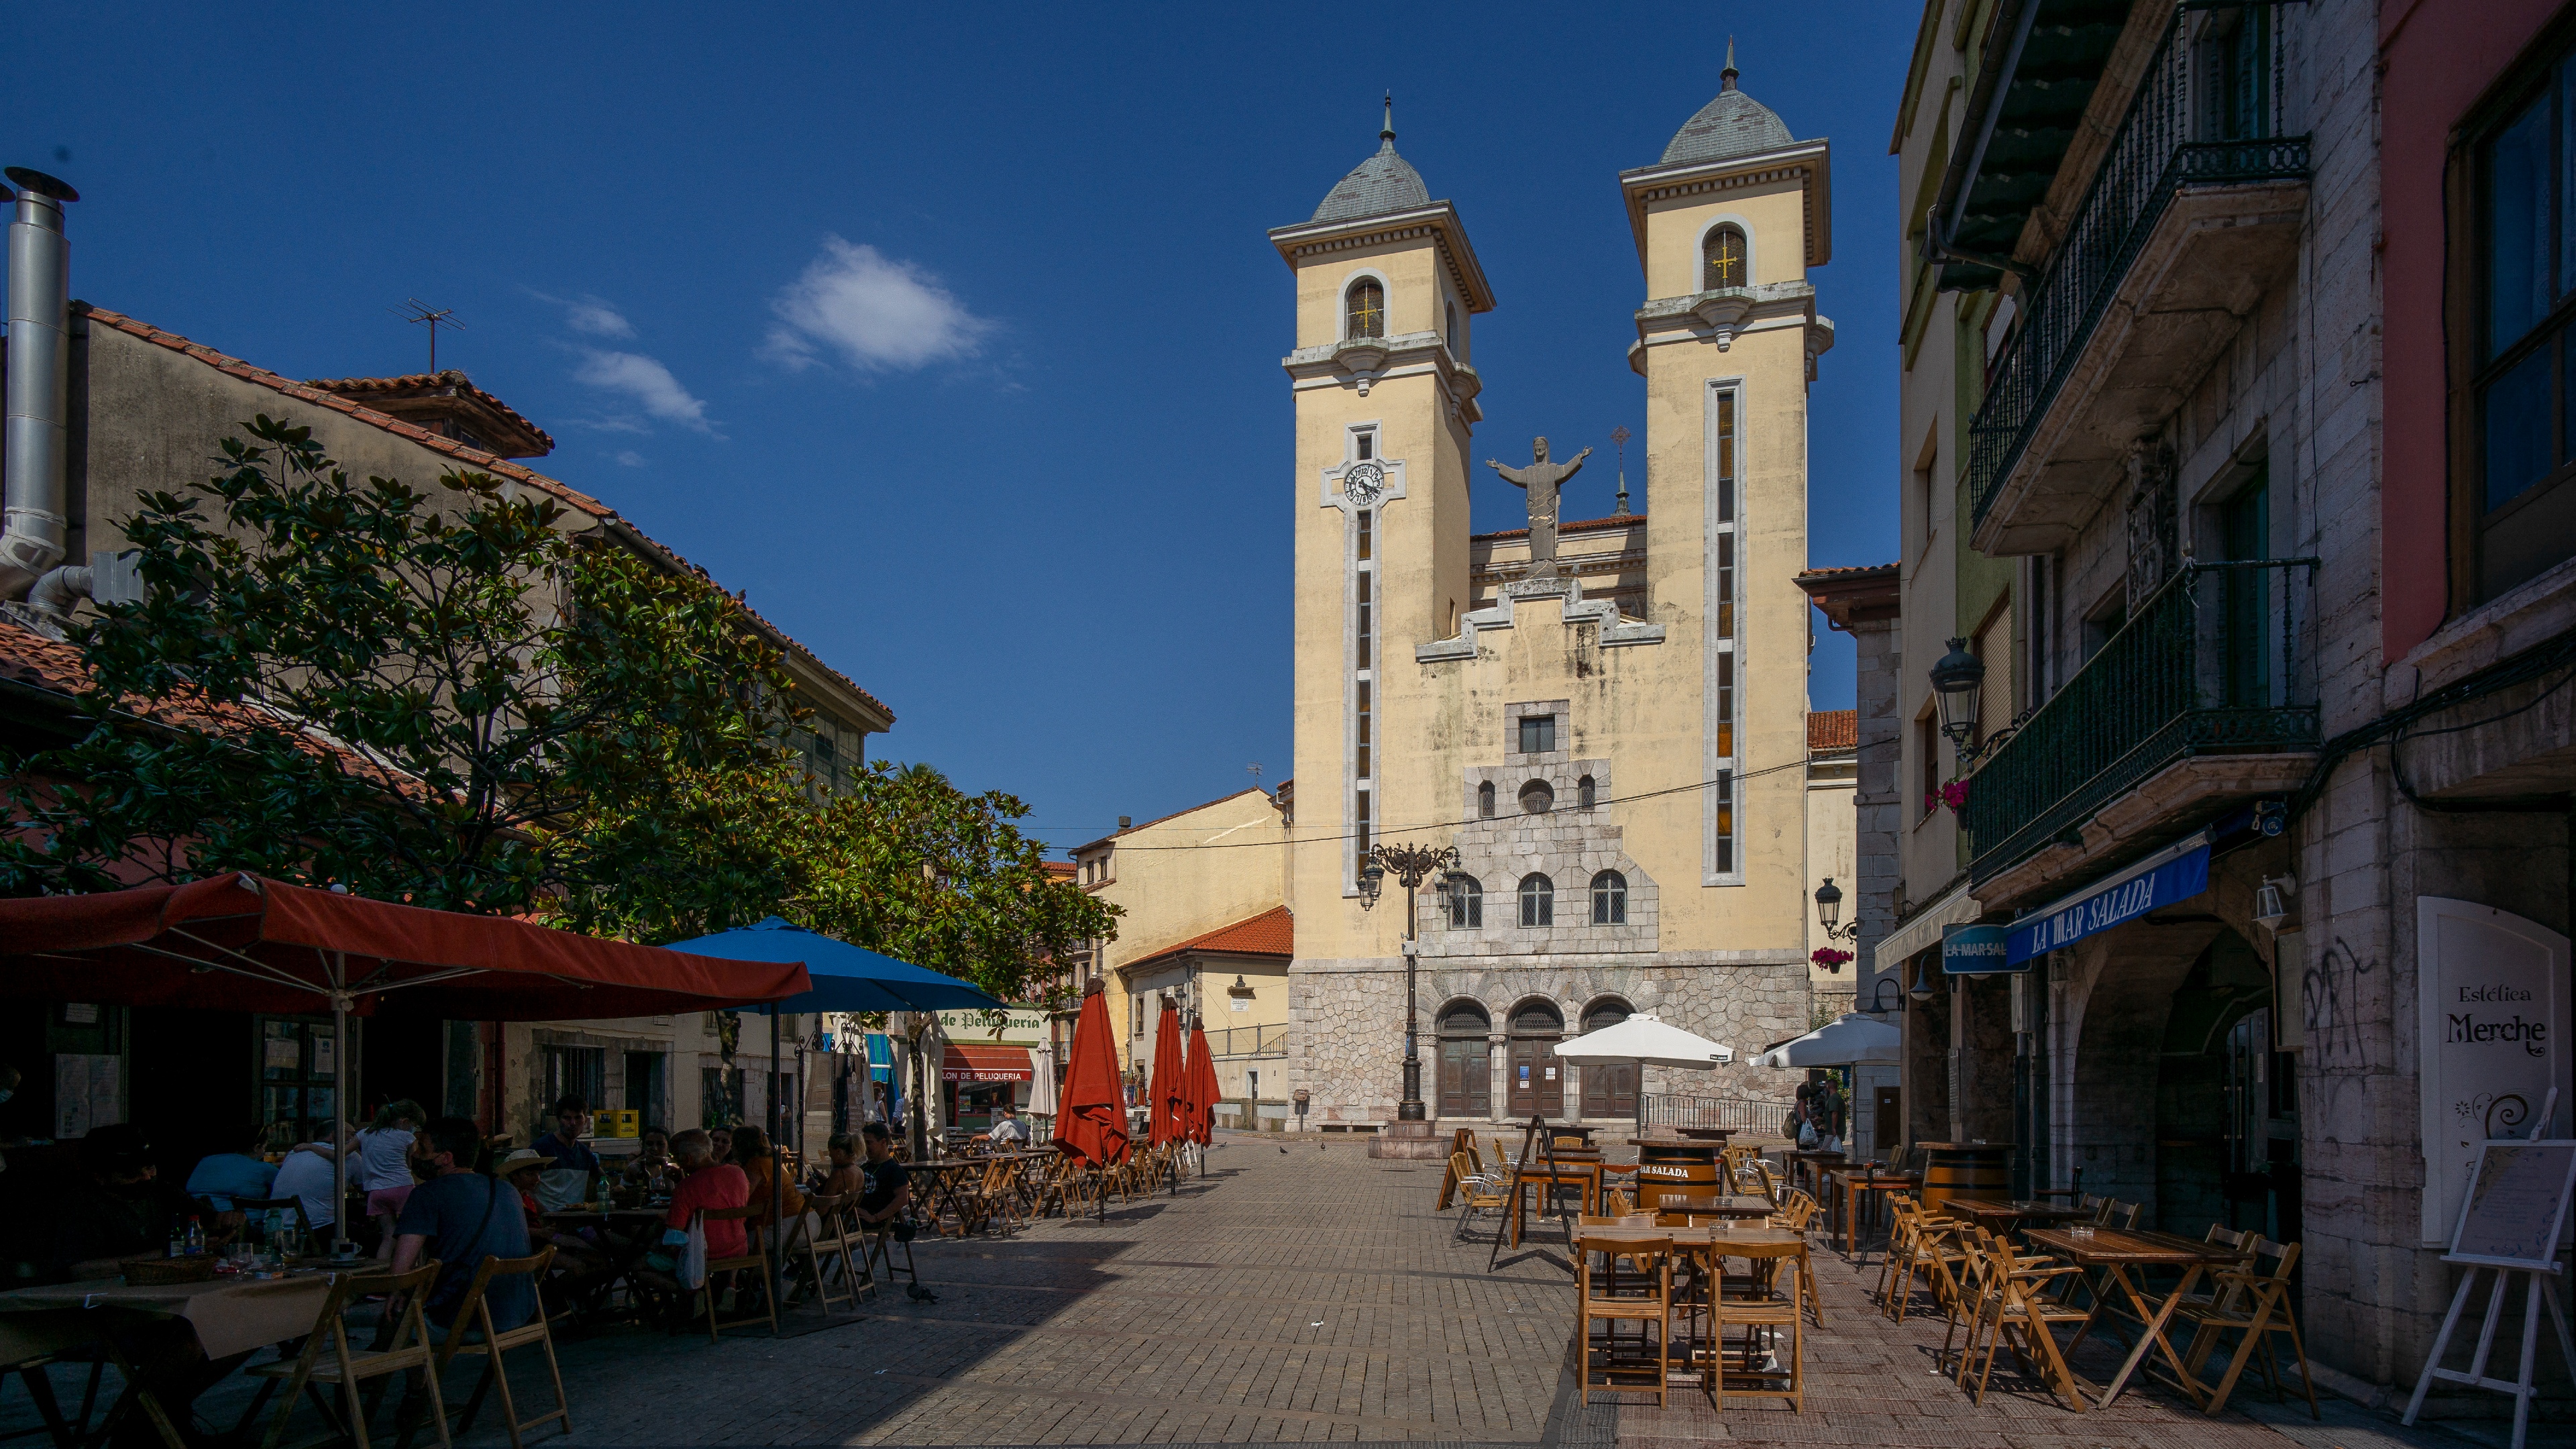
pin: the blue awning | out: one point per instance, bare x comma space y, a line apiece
2177, 872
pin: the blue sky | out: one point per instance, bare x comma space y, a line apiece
952, 336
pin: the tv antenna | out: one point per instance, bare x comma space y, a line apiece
1256, 773
1619, 436
420, 313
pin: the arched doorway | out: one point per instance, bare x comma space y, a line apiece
1536, 1088
1464, 1058
1609, 1089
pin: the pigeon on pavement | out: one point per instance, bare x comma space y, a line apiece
919, 1294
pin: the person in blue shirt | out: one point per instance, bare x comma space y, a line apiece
227, 1175
460, 1217
564, 1144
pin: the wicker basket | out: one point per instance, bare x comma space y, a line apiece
159, 1272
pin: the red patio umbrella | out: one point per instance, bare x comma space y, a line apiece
1167, 1119
243, 943
1203, 1088
1091, 1113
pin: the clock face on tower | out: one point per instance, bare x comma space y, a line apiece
1363, 482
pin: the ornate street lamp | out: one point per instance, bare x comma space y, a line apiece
1829, 909
1412, 864
1958, 683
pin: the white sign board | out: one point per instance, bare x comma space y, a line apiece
2492, 1026
89, 1091
2517, 1205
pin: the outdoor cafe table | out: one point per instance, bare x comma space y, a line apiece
2010, 1217
1759, 1244
1848, 1191
228, 1315
1580, 1173
2116, 1253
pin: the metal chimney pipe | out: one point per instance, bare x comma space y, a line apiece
35, 528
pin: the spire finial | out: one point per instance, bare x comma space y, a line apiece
1726, 77
1387, 132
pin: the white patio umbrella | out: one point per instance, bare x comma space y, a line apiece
1848, 1040
1042, 1080
1649, 1042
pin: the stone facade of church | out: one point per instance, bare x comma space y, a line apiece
1613, 738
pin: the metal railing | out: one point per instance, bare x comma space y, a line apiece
1742, 1114
2205, 114
2207, 665
1248, 1041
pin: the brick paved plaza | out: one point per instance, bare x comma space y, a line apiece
1305, 1294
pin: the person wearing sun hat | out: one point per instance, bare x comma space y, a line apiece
578, 1261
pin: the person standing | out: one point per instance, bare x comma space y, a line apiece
384, 1166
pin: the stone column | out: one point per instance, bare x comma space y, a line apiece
1498, 1077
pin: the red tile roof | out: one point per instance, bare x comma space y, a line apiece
433, 384
1833, 729
1272, 933
474, 458
31, 659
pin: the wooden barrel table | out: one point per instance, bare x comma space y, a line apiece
1680, 1163
1979, 1171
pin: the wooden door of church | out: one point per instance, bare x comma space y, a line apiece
1463, 1088
1609, 1089
1537, 1090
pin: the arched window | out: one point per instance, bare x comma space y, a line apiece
1583, 791
1537, 1017
1537, 798
1722, 259
1465, 1018
1364, 312
1609, 899
1538, 901
1466, 902
1485, 801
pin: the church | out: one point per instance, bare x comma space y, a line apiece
1604, 715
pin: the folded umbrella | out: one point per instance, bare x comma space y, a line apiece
1164, 1089
1203, 1087
1091, 1111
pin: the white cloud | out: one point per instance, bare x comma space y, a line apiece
875, 312
647, 382
591, 316
629, 458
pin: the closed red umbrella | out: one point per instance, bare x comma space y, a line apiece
1203, 1088
1091, 1113
1167, 1120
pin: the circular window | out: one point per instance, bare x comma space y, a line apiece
1537, 798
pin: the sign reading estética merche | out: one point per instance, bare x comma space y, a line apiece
2124, 898
2492, 1023
1975, 951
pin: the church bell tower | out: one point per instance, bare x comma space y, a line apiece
1387, 288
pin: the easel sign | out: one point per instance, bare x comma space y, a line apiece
2511, 1213
2517, 1206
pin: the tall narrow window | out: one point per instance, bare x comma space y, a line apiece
1362, 585
1583, 791
2037, 612
1726, 706
1725, 822
1722, 260
1365, 445
1360, 819
1726, 586
1725, 468
1368, 530
1485, 801
1538, 901
1726, 456
1365, 315
1449, 315
1363, 741
1609, 899
2520, 511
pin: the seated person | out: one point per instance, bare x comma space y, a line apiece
1008, 1130
306, 1176
119, 1209
707, 1184
223, 1176
889, 1186
771, 1189
652, 1160
460, 1217
564, 1144
579, 1263
846, 1177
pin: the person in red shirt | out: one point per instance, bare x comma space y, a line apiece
709, 1184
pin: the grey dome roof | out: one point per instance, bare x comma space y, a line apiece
1732, 125
1384, 182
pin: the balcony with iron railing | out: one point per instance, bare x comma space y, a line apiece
2189, 220
2200, 701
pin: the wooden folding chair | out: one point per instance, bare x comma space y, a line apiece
473, 1333
2123, 1215
328, 1359
2018, 1309
1644, 1296
1762, 1305
828, 1244
2256, 1305
755, 1262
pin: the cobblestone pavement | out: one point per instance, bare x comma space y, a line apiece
1310, 1294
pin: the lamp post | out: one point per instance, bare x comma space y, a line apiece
1829, 910
1412, 864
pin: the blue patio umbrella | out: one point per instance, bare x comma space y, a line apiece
845, 978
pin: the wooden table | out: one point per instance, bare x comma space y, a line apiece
1585, 1175
2116, 1253
2009, 1217
1803, 1163
1759, 1244
1847, 1193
